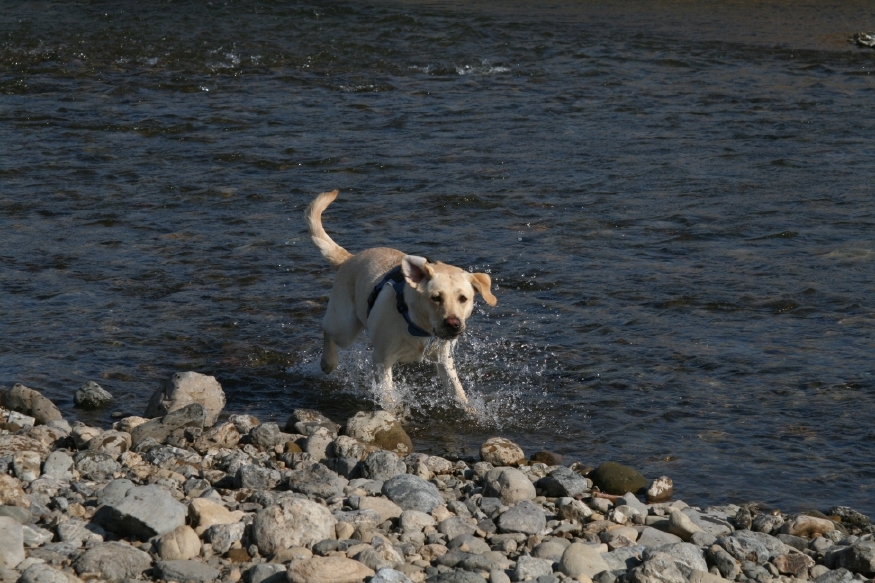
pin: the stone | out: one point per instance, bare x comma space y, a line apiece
580, 559
795, 564
179, 545
563, 482
439, 466
412, 493
746, 545
266, 435
185, 571
112, 442
223, 436
687, 557
659, 569
292, 522
59, 465
328, 570
193, 415
617, 479
20, 514
728, 566
204, 513
11, 542
509, 485
379, 428
767, 523
26, 465
82, 434
387, 509
455, 526
660, 490
144, 512
256, 477
680, 524
471, 544
114, 492
35, 536
571, 509
223, 536
11, 492
43, 573
78, 532
345, 446
267, 573
549, 550
319, 442
30, 402
183, 389
309, 416
455, 576
388, 575
316, 480
244, 423
10, 444
808, 526
858, 557
528, 567
382, 465
499, 451
91, 396
378, 558
414, 520
525, 517
114, 561
850, 516
95, 465
128, 424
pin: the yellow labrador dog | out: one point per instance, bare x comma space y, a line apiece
404, 301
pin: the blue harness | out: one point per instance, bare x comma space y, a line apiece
396, 279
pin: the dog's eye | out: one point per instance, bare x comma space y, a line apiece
437, 298
462, 299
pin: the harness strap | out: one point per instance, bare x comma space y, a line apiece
396, 278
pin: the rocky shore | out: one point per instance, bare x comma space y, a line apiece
190, 493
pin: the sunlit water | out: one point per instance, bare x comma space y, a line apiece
675, 202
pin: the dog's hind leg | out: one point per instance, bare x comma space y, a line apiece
339, 329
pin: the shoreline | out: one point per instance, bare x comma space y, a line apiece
189, 492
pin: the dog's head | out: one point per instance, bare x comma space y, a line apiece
444, 293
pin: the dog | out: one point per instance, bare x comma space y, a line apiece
410, 306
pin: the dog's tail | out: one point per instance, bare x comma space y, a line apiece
333, 253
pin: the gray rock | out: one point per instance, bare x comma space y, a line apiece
316, 480
857, 558
525, 517
456, 526
159, 429
469, 543
91, 396
727, 564
43, 573
850, 516
292, 522
318, 442
412, 493
367, 519
651, 537
382, 465
564, 482
549, 550
185, 571
268, 573
624, 558
30, 402
661, 568
509, 485
184, 389
370, 558
95, 465
78, 532
713, 524
528, 567
835, 576
11, 542
387, 575
55, 554
257, 477
703, 539
266, 435
26, 465
114, 561
797, 542
455, 576
20, 514
379, 428
767, 523
582, 559
114, 492
59, 465
35, 536
746, 545
617, 479
144, 512
222, 536
686, 556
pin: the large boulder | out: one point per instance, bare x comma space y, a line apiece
30, 402
292, 523
614, 478
379, 428
144, 512
185, 388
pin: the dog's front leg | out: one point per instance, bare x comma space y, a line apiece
447, 370
385, 389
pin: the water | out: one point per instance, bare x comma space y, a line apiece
674, 200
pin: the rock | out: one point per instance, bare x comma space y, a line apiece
795, 564
549, 550
96, 466
82, 434
703, 539
183, 389
850, 516
387, 509
127, 424
359, 519
43, 573
687, 557
857, 558
328, 570
456, 526
91, 396
471, 544
377, 558
528, 567
317, 480
59, 465
525, 517
659, 569
680, 524
379, 428
78, 532
35, 536
114, 561
114, 492
319, 442
185, 571
546, 457
438, 465
159, 429
221, 436
767, 523
256, 477
345, 446
144, 512
617, 479
704, 577
309, 417
292, 522
266, 435
267, 573
563, 482
412, 493
204, 513
21, 515
11, 492
508, 484
112, 442
10, 444
571, 509
11, 542
382, 465
223, 536
30, 402
580, 559
387, 575
499, 451
179, 545
660, 489
243, 423
756, 547
414, 520
728, 566
807, 526
26, 465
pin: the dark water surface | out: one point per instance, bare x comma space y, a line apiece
675, 201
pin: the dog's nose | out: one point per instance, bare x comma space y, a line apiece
453, 323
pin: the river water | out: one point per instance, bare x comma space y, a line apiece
674, 200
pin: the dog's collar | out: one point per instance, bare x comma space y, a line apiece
396, 278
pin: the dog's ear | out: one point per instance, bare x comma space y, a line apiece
415, 269
482, 282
